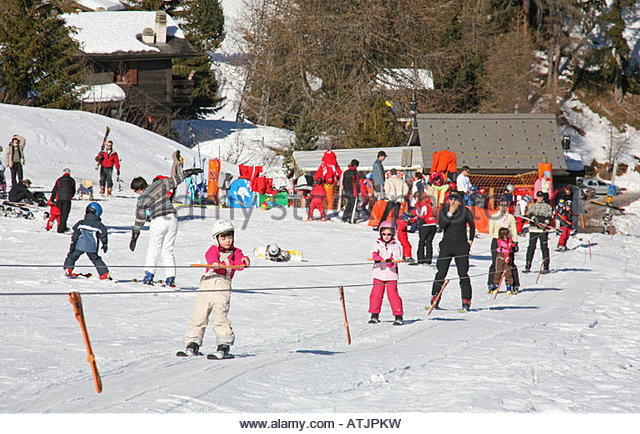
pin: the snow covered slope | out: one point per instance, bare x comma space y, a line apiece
57, 139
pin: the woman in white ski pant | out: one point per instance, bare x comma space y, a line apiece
162, 237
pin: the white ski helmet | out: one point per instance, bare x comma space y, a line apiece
510, 187
220, 227
273, 249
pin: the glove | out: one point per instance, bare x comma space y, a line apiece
118, 172
516, 248
376, 257
389, 260
134, 238
190, 172
104, 248
377, 261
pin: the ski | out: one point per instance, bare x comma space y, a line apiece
219, 355
76, 275
608, 205
104, 142
183, 353
261, 252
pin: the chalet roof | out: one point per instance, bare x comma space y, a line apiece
493, 143
400, 158
107, 5
118, 34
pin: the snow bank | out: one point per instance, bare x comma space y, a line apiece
629, 222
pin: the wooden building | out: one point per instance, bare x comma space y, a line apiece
134, 50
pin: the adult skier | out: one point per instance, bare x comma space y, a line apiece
108, 158
454, 218
61, 195
541, 214
351, 187
154, 203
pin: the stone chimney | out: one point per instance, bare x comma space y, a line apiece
161, 27
148, 37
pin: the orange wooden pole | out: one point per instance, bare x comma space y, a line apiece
540, 271
435, 300
75, 300
589, 244
344, 310
499, 284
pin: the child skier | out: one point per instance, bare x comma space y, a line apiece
506, 246
385, 274
54, 214
276, 254
318, 197
403, 237
88, 233
565, 218
215, 293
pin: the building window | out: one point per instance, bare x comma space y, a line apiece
126, 73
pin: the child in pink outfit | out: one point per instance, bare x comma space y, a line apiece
385, 274
214, 294
506, 246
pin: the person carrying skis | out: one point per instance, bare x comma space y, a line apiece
427, 230
503, 219
318, 197
214, 294
61, 196
540, 214
154, 204
505, 248
454, 218
107, 159
273, 252
385, 274
88, 233
565, 218
351, 188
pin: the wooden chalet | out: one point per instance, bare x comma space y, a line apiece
134, 50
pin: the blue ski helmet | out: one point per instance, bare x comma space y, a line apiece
94, 208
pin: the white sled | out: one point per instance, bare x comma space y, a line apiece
261, 252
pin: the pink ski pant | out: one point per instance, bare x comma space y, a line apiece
377, 292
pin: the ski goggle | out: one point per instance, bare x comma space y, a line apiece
386, 234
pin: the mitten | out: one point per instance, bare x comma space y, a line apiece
134, 239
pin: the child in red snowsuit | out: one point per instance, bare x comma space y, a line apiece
565, 217
318, 196
403, 236
54, 215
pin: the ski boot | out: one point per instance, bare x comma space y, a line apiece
68, 272
545, 271
510, 289
492, 288
192, 349
101, 191
374, 318
527, 268
108, 192
170, 282
433, 300
410, 261
398, 320
148, 278
222, 352
105, 276
466, 304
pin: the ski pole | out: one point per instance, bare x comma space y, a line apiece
435, 300
75, 300
344, 310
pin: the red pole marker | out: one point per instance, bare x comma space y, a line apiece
75, 300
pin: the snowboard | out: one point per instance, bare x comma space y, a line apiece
261, 252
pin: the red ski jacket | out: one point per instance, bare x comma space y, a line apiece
109, 160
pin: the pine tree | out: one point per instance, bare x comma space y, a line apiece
38, 63
203, 24
378, 128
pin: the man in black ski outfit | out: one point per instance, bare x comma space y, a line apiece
351, 187
20, 192
453, 219
62, 193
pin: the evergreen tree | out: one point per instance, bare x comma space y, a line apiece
377, 128
306, 131
203, 23
38, 63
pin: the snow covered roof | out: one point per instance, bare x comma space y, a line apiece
405, 78
504, 143
94, 5
103, 93
119, 33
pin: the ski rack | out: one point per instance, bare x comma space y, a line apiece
76, 301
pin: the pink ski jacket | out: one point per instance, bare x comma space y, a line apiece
380, 251
213, 255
